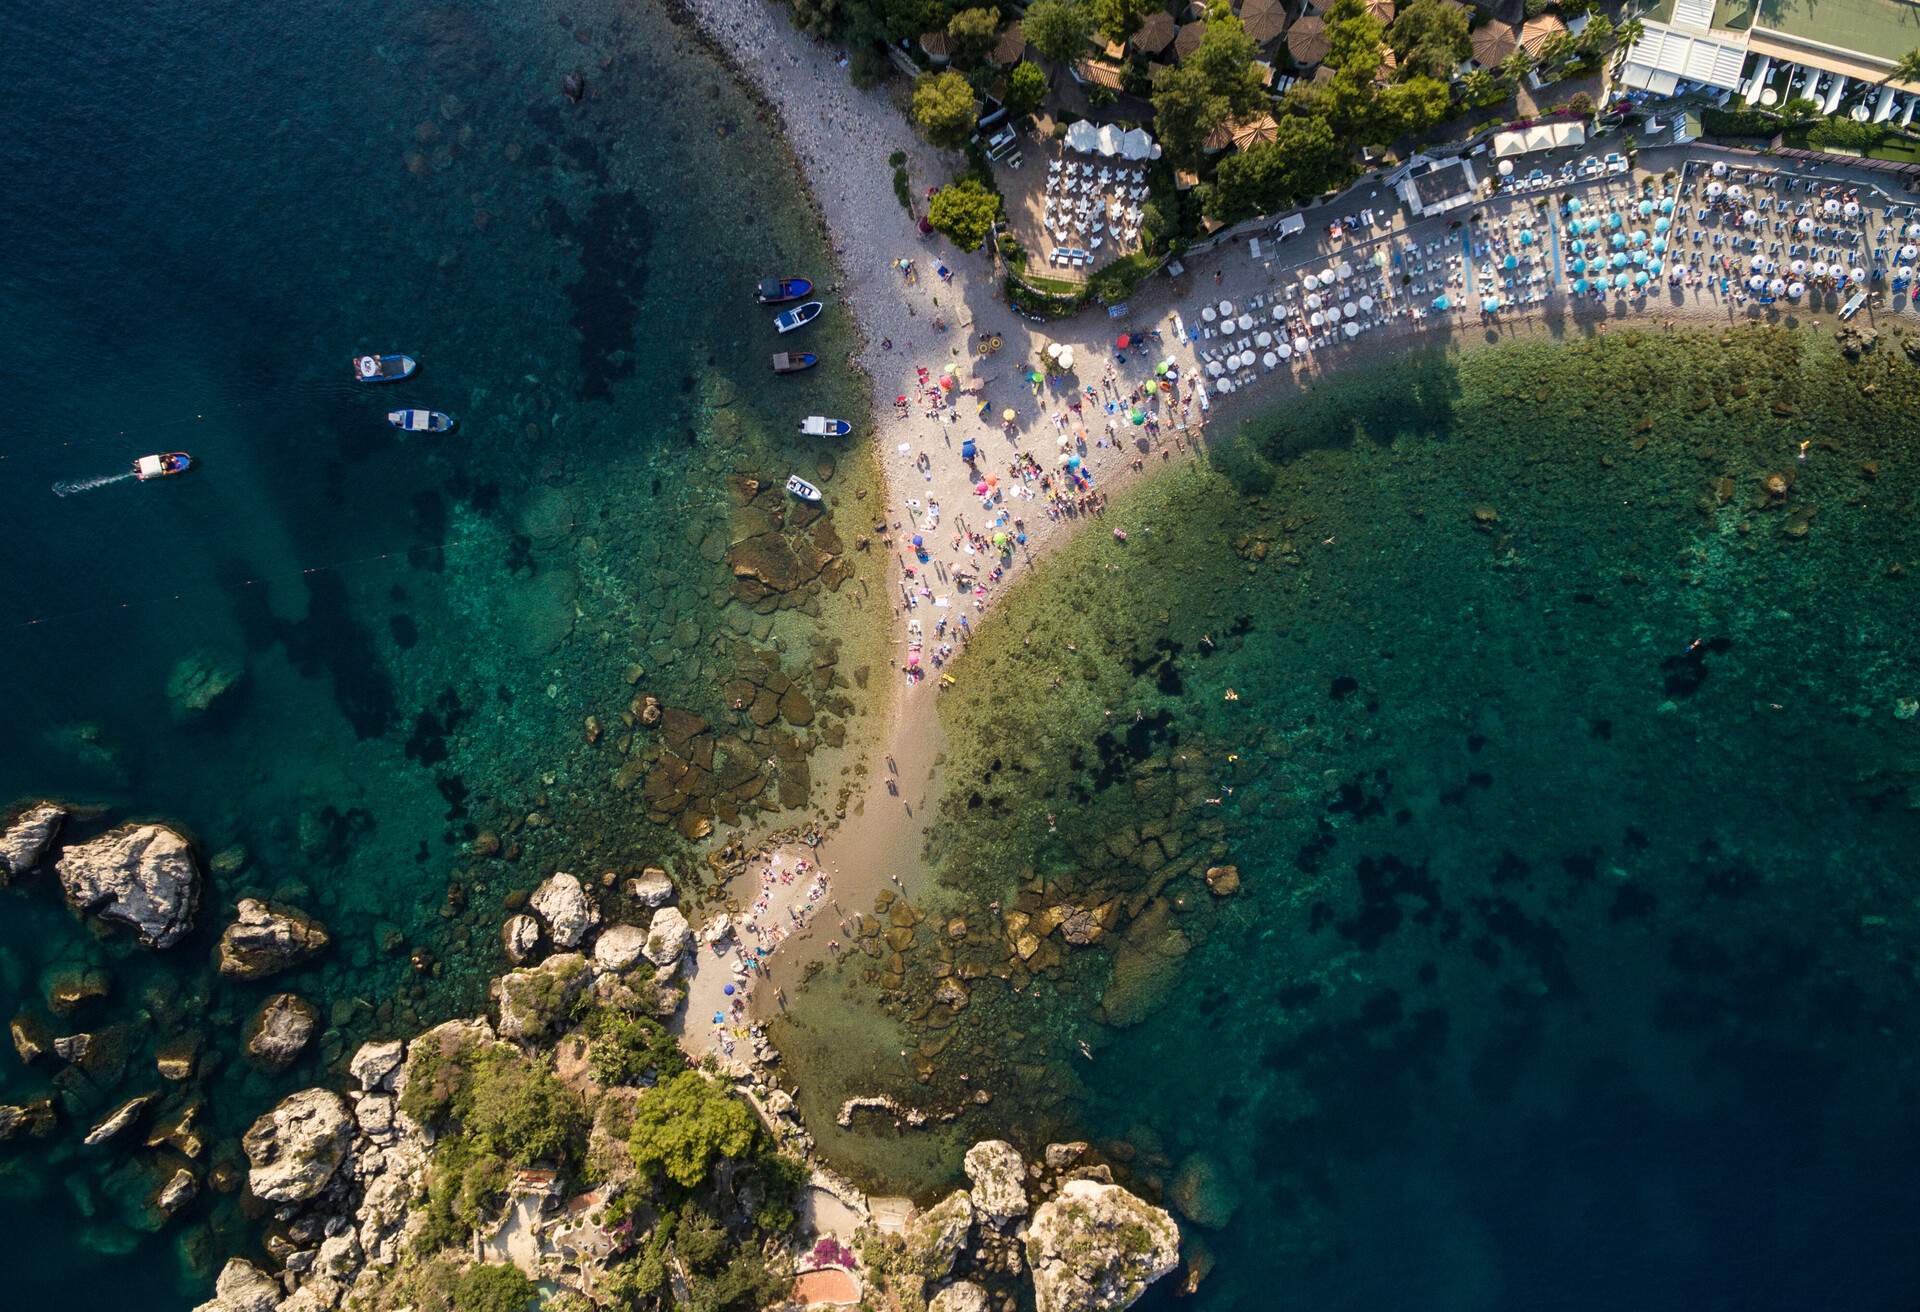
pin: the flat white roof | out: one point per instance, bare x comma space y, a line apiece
1711, 58
1541, 136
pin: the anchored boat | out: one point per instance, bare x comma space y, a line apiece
162, 466
802, 489
799, 316
383, 368
785, 363
775, 291
821, 426
420, 421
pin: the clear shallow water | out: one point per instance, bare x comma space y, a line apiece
1569, 967
210, 209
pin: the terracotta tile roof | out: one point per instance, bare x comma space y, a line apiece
936, 45
1381, 9
1187, 40
1493, 43
1242, 133
1307, 40
1009, 46
1099, 72
1264, 20
1156, 34
1536, 32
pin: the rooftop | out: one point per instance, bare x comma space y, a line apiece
1882, 29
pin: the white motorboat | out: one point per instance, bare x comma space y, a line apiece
820, 426
799, 487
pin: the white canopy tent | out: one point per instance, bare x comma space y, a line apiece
1109, 141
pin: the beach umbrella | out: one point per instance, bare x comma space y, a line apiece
1820, 269
1579, 266
1062, 459
1646, 207
1662, 225
1831, 207
1366, 302
1345, 270
1737, 192
1666, 205
1269, 359
1302, 345
1640, 258
1574, 207
1913, 230
1580, 284
1621, 280
1907, 253
1122, 340
1226, 309
1314, 301
1851, 209
1593, 226
917, 541
1316, 318
1279, 313
1490, 303
1215, 368
1578, 248
1859, 275
1620, 261
1053, 350
999, 539
1310, 282
1794, 290
1805, 225
1007, 415
1903, 271
1756, 282
1719, 168
1246, 322
1161, 368
1349, 309
1659, 243
1619, 242
1066, 358
1327, 276
1777, 286
1511, 262
1206, 312
1655, 267
1284, 350
1638, 239
719, 1019
1639, 280
1442, 303
1139, 417
1353, 329
1799, 266
728, 990
946, 383
1263, 339
1224, 386
1526, 238
1713, 190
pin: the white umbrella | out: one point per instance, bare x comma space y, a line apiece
1316, 319
1749, 217
1904, 271
1366, 302
1756, 283
1246, 322
1066, 358
1310, 282
1215, 368
1269, 359
1719, 168
1224, 386
1831, 207
1800, 266
1053, 350
1794, 290
1859, 275
1737, 192
1206, 313
1777, 286
1226, 309
1314, 302
1819, 268
1326, 279
1913, 230
1349, 309
1851, 209
1284, 350
1279, 313
1263, 339
1805, 225
1908, 251
1713, 190
1353, 329
1345, 270
1302, 345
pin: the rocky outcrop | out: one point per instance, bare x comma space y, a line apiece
265, 940
999, 1179
668, 937
177, 1192
960, 1296
938, 1235
652, 888
243, 1287
619, 946
376, 1065
535, 1001
280, 1029
1095, 1248
26, 838
295, 1149
34, 1118
142, 876
520, 936
117, 1121
565, 907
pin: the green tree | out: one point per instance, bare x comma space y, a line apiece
964, 210
519, 1112
1906, 69
1186, 110
1225, 58
971, 33
1413, 106
1352, 34
1479, 88
1026, 89
902, 20
1058, 29
1628, 34
488, 1287
1515, 67
816, 17
1556, 50
1596, 38
1117, 20
944, 108
679, 1128
1430, 37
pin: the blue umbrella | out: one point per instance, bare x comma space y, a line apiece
729, 990
1593, 225
1579, 266
1490, 304
1073, 462
1659, 243
1638, 239
1619, 280
917, 542
1579, 248
1526, 239
1580, 284
1646, 208
1573, 207
1666, 205
1615, 221
1639, 280
1655, 266
1661, 225
718, 1019
1640, 257
1511, 262
1619, 261
1442, 303
1619, 243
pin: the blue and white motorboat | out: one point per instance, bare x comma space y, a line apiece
162, 466
776, 291
383, 368
420, 421
821, 426
802, 489
799, 316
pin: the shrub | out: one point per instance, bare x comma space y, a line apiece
902, 189
896, 159
681, 1126
944, 109
631, 1049
965, 212
492, 1288
517, 1110
1026, 88
868, 67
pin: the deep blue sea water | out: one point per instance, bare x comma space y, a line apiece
1572, 964
209, 209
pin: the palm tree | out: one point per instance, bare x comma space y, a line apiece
1515, 67
1906, 68
1628, 34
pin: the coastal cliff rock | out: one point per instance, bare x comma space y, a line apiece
26, 838
377, 1065
243, 1287
619, 946
938, 1235
280, 1030
960, 1296
668, 937
177, 1192
266, 940
534, 1001
142, 876
998, 1176
1096, 1247
520, 936
652, 888
565, 907
294, 1150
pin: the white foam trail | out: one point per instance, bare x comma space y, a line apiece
89, 484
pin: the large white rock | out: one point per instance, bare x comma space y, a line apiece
999, 1179
565, 906
537, 1000
143, 876
294, 1150
619, 946
376, 1064
960, 1296
652, 888
668, 936
1095, 1248
938, 1235
25, 839
243, 1287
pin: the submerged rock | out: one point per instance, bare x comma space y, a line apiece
32, 1040
117, 1121
142, 876
266, 940
200, 682
1204, 1193
999, 1177
177, 1192
243, 1287
565, 907
1096, 1248
280, 1030
25, 839
294, 1150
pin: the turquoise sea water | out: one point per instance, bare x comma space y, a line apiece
210, 209
1571, 781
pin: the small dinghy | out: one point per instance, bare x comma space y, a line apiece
420, 421
802, 489
383, 368
162, 466
799, 316
776, 291
784, 363
821, 426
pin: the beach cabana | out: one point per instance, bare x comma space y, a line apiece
1493, 43
1187, 39
1155, 34
1307, 41
1264, 20
1010, 46
936, 46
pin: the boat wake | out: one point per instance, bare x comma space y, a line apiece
89, 484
